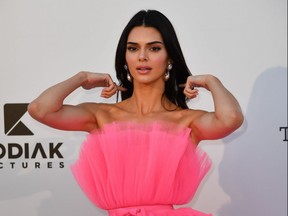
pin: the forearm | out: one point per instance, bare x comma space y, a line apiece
51, 100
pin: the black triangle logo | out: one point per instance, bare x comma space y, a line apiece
12, 115
20, 129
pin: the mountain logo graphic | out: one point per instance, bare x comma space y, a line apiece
12, 120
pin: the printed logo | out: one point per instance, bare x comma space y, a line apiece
12, 120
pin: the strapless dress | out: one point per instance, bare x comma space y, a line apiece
133, 169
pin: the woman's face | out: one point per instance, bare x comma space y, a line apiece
146, 55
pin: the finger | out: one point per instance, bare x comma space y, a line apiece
107, 80
110, 87
109, 91
107, 94
190, 96
120, 88
186, 85
189, 93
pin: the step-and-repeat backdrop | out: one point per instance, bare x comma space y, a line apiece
244, 43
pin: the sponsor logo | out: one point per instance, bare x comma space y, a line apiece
26, 154
12, 120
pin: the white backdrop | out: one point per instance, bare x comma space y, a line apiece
244, 43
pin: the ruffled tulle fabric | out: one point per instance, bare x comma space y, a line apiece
126, 167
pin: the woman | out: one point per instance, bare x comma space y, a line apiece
141, 155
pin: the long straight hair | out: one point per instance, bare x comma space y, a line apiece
179, 72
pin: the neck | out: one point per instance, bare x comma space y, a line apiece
147, 98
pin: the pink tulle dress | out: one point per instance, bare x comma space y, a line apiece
133, 169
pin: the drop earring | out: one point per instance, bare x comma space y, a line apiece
167, 73
129, 78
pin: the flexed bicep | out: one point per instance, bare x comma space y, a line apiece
49, 108
208, 127
227, 115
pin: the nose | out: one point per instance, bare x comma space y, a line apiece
143, 55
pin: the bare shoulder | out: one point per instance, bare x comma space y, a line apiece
95, 107
188, 116
103, 112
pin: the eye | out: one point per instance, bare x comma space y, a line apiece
131, 48
155, 48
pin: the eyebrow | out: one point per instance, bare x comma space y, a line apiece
149, 43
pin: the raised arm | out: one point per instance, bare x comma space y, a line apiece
49, 109
227, 115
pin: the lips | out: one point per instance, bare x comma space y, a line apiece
143, 69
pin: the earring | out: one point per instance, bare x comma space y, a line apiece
129, 78
167, 74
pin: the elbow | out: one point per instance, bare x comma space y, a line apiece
235, 120
35, 112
